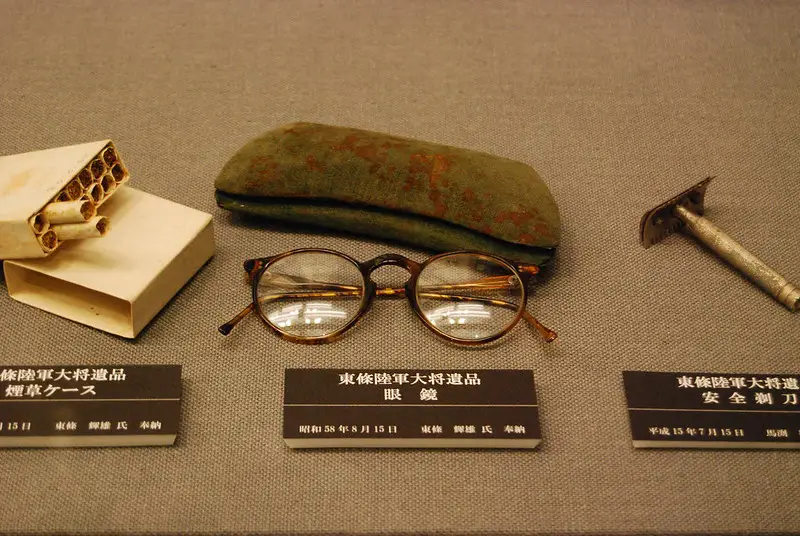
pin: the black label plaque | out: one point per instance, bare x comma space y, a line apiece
89, 405
713, 410
410, 408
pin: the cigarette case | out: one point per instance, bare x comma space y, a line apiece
50, 197
120, 282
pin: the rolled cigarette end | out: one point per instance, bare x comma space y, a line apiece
62, 196
94, 228
74, 189
98, 167
109, 156
85, 177
48, 241
39, 223
108, 183
95, 193
118, 172
70, 212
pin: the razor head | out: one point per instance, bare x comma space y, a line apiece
661, 221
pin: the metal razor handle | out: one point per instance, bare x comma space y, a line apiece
737, 256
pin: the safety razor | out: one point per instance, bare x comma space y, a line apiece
684, 212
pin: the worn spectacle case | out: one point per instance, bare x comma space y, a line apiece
315, 295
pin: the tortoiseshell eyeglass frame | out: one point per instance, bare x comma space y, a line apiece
255, 268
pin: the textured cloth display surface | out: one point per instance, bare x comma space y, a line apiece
617, 105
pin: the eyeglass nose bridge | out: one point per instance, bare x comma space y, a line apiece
390, 259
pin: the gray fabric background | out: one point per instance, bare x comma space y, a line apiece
618, 105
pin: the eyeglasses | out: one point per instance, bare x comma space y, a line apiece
315, 295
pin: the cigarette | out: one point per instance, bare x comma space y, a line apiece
94, 228
98, 168
62, 196
109, 156
39, 223
95, 193
118, 172
108, 184
70, 212
85, 177
48, 241
74, 189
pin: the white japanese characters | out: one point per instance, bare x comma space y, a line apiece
428, 394
755, 390
407, 378
392, 394
39, 383
695, 431
398, 379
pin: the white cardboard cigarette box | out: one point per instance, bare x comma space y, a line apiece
118, 283
31, 181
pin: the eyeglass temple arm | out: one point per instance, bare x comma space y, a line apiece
547, 334
494, 282
251, 267
228, 326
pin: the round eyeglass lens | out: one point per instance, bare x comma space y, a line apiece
469, 297
310, 294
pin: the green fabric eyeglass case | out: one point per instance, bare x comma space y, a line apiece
423, 194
